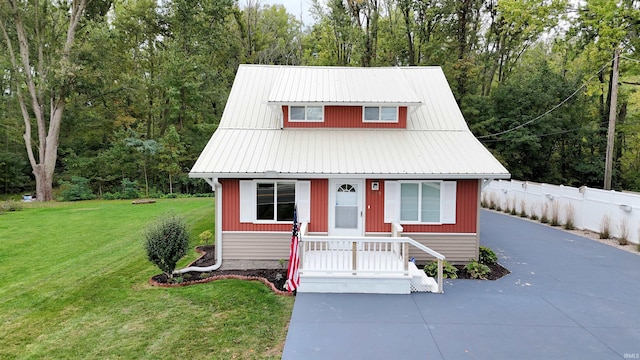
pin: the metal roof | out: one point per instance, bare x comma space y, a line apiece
340, 85
437, 143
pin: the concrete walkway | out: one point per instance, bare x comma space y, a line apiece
567, 297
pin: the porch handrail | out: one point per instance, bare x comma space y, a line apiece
373, 239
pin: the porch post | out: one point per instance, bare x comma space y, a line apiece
354, 247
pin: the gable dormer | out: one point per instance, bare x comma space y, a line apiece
330, 97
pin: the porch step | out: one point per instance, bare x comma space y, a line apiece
359, 284
420, 282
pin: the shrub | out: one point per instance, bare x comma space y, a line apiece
129, 189
448, 270
523, 208
166, 242
569, 223
513, 206
532, 211
605, 226
477, 270
544, 214
483, 201
555, 214
624, 232
77, 189
10, 205
205, 236
487, 256
492, 201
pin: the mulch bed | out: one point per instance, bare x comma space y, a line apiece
497, 271
273, 278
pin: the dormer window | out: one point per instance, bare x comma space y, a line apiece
380, 114
306, 113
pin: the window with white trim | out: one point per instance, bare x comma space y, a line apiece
420, 202
275, 200
380, 114
306, 113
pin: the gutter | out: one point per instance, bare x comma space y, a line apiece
217, 188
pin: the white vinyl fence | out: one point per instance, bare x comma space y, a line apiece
591, 207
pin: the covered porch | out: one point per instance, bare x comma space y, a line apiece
380, 265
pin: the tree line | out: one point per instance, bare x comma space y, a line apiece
120, 96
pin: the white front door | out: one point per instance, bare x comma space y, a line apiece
345, 207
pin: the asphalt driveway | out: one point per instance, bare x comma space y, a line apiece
567, 297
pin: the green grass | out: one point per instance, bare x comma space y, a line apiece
74, 284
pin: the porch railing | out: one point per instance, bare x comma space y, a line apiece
342, 255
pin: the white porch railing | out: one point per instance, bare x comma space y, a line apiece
341, 255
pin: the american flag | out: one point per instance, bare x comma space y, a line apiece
293, 277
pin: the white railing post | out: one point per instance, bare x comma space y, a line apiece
354, 255
440, 287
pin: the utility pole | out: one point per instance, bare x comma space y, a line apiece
612, 122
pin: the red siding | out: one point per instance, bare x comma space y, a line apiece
466, 211
231, 209
319, 206
345, 117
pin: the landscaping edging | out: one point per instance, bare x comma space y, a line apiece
223, 277
263, 280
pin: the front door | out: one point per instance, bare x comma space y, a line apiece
345, 207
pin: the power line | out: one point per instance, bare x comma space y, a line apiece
548, 111
538, 136
626, 58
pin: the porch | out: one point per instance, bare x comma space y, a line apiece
379, 265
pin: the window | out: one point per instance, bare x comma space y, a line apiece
275, 201
380, 114
306, 113
420, 202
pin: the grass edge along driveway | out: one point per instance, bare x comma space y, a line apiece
74, 284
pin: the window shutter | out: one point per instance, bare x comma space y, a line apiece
391, 203
449, 202
247, 201
303, 200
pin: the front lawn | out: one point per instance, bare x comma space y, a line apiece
73, 284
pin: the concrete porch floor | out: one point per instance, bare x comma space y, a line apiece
567, 297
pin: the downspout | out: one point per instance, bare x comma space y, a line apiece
217, 188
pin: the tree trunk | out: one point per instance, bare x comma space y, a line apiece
37, 84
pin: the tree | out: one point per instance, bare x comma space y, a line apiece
42, 65
171, 154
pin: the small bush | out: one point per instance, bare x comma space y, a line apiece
483, 201
544, 214
532, 211
129, 189
605, 226
77, 189
487, 256
166, 242
555, 214
477, 270
569, 223
513, 206
523, 208
492, 201
205, 236
10, 205
111, 196
448, 270
624, 232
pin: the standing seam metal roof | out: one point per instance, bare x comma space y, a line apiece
436, 144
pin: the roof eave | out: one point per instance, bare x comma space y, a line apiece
273, 175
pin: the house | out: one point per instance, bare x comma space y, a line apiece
365, 153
